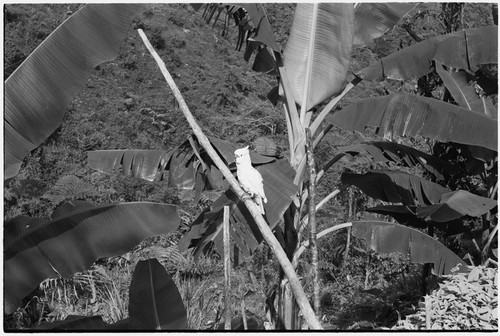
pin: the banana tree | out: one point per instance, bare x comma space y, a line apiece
36, 96
303, 66
313, 49
318, 60
76, 236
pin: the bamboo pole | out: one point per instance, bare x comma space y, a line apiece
227, 269
273, 243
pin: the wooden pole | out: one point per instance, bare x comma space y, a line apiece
227, 269
268, 235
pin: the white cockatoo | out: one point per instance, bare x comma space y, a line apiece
250, 179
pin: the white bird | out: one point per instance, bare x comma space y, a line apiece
250, 179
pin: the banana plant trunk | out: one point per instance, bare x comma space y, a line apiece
288, 309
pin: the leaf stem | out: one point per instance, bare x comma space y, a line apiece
305, 243
322, 115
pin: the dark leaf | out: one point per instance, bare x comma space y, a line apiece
456, 204
407, 215
40, 89
196, 6
417, 247
264, 31
471, 48
154, 300
457, 82
265, 62
138, 163
383, 151
410, 115
71, 243
396, 187
372, 20
182, 164
483, 154
17, 226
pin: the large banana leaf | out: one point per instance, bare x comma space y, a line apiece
154, 300
396, 187
183, 165
411, 115
465, 95
320, 44
451, 206
383, 151
373, 20
207, 227
74, 238
37, 93
385, 237
465, 49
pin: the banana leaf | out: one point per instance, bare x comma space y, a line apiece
154, 300
373, 20
396, 187
320, 44
470, 48
457, 82
253, 24
207, 227
411, 115
263, 30
417, 247
39, 90
457, 204
181, 165
451, 206
383, 151
76, 236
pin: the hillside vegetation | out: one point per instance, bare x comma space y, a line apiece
126, 104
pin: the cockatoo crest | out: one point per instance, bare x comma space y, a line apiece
250, 179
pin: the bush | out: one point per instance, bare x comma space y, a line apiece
462, 302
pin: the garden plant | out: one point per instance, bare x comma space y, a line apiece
402, 143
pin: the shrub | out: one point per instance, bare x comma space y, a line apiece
462, 302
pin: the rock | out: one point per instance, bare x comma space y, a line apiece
129, 102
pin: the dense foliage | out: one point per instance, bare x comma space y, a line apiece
124, 105
462, 302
